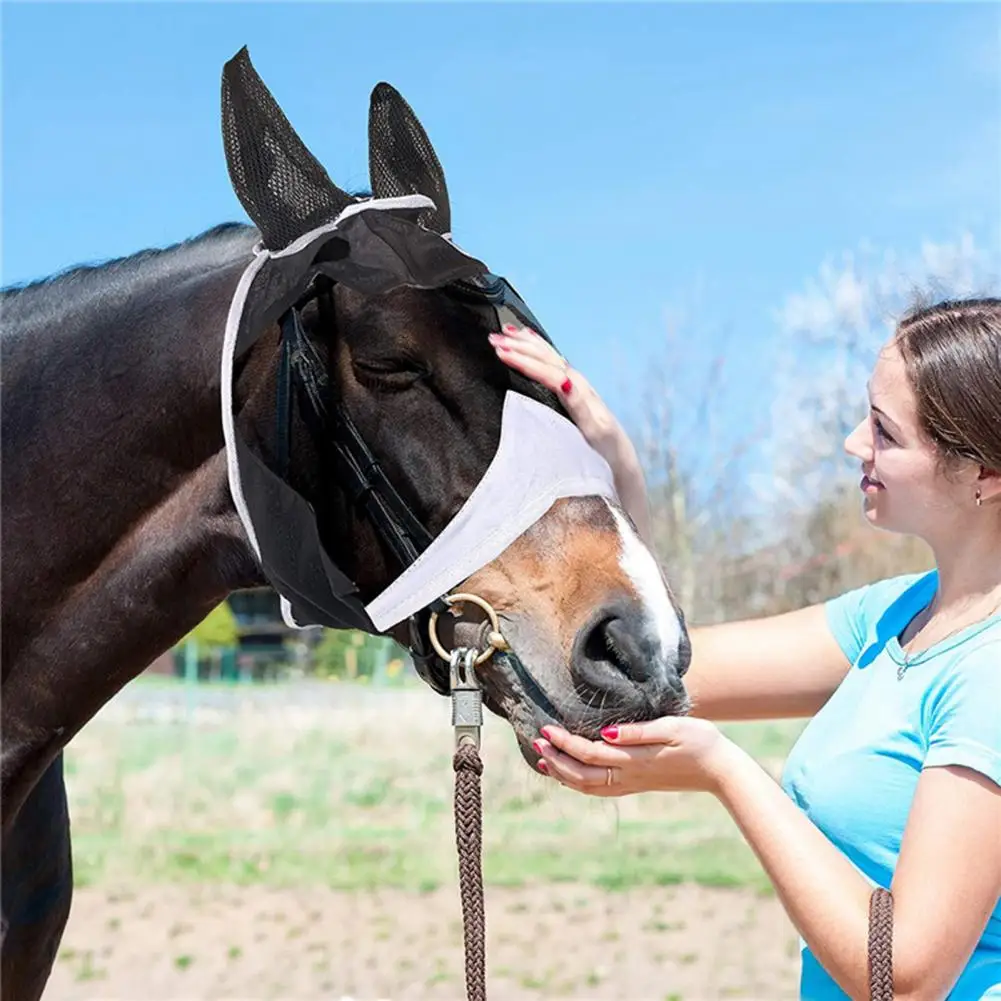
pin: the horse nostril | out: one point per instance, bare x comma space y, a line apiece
684, 654
618, 639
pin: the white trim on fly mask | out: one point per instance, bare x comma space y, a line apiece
226, 394
287, 617
381, 204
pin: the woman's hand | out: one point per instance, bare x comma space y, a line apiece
525, 351
670, 754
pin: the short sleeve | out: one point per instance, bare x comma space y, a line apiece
963, 715
846, 619
851, 615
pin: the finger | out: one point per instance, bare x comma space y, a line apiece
556, 375
657, 731
590, 752
545, 366
570, 771
552, 375
523, 340
538, 371
525, 348
526, 334
533, 348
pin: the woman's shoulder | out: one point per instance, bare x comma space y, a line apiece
862, 607
854, 616
909, 588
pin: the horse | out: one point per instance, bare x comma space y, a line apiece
119, 530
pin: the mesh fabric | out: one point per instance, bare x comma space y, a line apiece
280, 183
402, 160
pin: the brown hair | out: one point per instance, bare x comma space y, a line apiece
952, 352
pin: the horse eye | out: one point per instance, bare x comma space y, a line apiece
391, 374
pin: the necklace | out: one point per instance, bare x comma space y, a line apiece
902, 668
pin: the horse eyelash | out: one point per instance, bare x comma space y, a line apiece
388, 381
385, 383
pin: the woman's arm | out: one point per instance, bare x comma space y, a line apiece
947, 881
779, 666
947, 878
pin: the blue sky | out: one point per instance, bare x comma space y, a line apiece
634, 169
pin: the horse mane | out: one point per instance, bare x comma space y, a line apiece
73, 288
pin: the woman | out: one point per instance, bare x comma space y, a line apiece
896, 780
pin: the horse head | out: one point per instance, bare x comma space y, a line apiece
412, 391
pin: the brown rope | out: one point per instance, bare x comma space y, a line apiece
881, 945
469, 839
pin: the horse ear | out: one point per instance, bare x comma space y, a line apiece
401, 159
278, 181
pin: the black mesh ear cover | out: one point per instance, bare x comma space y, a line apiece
278, 181
401, 159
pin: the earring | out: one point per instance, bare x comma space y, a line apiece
979, 499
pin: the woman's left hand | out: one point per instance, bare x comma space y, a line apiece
670, 754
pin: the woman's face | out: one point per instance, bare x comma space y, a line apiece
903, 483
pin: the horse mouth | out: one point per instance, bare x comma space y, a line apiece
512, 691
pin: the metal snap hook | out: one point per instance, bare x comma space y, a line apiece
467, 699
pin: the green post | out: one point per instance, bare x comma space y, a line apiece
190, 673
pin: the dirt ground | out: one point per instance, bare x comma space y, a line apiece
683, 943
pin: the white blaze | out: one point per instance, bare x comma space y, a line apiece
641, 568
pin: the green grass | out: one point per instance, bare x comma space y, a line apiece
365, 800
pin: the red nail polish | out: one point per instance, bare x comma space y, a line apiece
543, 767
503, 347
537, 744
545, 733
566, 386
610, 733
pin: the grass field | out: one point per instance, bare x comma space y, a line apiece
203, 813
363, 799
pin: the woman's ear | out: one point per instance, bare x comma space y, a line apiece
988, 486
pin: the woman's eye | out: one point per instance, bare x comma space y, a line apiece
387, 373
881, 431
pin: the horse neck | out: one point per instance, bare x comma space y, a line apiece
110, 400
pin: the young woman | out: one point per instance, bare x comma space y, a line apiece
896, 780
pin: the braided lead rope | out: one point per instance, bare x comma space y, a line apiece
469, 839
881, 945
467, 719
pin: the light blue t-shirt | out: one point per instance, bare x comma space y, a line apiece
855, 768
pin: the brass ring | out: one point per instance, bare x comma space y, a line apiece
608, 776
495, 640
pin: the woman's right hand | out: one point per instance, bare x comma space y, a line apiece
525, 351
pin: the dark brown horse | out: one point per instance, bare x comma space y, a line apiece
119, 532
